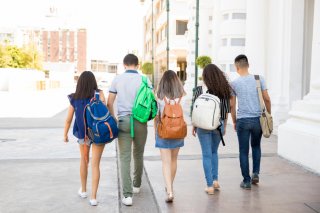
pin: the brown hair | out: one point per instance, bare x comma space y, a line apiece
86, 86
216, 81
170, 86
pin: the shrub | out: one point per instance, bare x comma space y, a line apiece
203, 61
147, 68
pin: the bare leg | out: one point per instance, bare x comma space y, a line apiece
174, 158
83, 167
95, 164
166, 168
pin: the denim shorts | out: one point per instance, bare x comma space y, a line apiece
81, 142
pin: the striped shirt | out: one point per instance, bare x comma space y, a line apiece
224, 103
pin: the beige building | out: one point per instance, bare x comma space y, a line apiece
178, 41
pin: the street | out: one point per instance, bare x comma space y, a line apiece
40, 173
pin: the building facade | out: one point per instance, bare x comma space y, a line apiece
222, 35
178, 21
59, 45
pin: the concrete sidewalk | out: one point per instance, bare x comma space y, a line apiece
40, 173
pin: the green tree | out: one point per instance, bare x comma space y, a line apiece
147, 68
203, 61
27, 56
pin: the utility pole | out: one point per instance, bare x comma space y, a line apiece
196, 45
168, 34
152, 43
196, 53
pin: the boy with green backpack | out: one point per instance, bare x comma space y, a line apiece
136, 105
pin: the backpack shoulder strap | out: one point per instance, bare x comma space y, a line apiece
97, 95
145, 80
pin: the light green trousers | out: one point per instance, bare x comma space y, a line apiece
125, 146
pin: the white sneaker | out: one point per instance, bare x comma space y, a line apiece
127, 201
93, 202
135, 190
82, 194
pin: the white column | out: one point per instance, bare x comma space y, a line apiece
256, 35
284, 55
299, 137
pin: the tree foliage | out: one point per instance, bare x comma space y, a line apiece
12, 56
203, 61
147, 68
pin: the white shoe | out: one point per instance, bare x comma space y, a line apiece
82, 194
93, 202
127, 201
135, 190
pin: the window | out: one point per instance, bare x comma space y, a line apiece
232, 68
112, 68
224, 42
238, 42
210, 45
181, 27
223, 67
225, 16
163, 5
239, 15
163, 33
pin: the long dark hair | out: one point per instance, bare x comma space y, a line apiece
170, 86
86, 86
216, 81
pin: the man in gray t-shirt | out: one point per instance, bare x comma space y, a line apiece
246, 121
125, 87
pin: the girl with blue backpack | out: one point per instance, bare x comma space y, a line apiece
85, 91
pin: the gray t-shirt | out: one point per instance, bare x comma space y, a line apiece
245, 89
126, 86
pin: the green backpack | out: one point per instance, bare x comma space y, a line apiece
145, 105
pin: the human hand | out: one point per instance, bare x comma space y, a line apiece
235, 126
65, 139
194, 131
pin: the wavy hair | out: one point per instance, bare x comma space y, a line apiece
216, 81
170, 86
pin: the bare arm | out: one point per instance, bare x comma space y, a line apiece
68, 123
225, 124
110, 103
102, 97
267, 100
233, 110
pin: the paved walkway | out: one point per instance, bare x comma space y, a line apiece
39, 173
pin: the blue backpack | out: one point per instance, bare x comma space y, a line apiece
100, 125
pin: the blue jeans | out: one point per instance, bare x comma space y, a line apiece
249, 128
209, 140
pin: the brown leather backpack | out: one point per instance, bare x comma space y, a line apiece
171, 124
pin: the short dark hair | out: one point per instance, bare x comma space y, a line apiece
241, 61
131, 59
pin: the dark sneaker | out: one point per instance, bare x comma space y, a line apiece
255, 178
245, 185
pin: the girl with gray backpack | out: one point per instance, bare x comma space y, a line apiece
211, 105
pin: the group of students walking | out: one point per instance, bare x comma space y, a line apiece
169, 95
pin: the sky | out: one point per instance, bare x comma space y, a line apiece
114, 27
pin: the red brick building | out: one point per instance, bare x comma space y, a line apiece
61, 46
